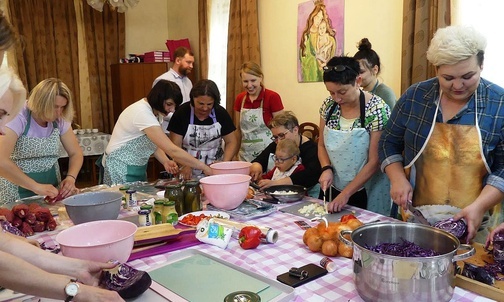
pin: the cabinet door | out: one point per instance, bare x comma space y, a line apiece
131, 82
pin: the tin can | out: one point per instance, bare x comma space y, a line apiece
169, 212
132, 198
144, 218
173, 192
192, 196
242, 296
328, 264
158, 211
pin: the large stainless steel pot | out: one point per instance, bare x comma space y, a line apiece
388, 278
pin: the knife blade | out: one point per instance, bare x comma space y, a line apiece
418, 214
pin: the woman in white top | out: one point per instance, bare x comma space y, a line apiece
138, 134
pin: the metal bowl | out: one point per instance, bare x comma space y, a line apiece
92, 206
274, 191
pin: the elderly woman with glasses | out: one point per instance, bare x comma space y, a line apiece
351, 122
283, 126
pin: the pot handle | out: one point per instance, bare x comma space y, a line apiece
343, 239
471, 251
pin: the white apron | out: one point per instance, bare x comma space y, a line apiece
348, 152
255, 134
203, 141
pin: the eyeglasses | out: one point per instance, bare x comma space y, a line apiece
279, 136
281, 160
339, 68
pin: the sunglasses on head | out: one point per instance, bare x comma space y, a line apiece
339, 68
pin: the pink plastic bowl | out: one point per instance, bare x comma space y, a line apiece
225, 191
101, 241
231, 167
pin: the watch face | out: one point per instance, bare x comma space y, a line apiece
71, 289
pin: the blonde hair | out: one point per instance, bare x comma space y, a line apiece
456, 43
288, 146
43, 97
14, 84
253, 69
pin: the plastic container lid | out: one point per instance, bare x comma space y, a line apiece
146, 207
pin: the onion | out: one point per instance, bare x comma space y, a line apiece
456, 228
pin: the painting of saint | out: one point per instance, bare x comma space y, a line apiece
320, 36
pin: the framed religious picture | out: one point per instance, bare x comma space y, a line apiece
319, 36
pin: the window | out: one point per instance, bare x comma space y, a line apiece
486, 17
218, 20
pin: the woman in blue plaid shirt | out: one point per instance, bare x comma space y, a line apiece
443, 146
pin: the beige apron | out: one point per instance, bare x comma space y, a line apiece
255, 134
450, 168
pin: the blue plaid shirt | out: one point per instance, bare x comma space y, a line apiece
411, 121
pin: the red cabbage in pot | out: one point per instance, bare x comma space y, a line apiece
403, 249
456, 228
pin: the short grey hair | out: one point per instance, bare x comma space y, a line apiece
456, 43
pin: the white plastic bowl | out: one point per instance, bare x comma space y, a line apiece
231, 167
100, 241
225, 191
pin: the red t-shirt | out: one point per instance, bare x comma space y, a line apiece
272, 103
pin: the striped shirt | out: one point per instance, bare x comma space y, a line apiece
411, 121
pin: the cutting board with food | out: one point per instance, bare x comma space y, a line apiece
480, 258
157, 233
309, 210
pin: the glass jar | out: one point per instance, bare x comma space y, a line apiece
150, 220
192, 196
123, 190
158, 211
169, 213
144, 218
173, 192
132, 198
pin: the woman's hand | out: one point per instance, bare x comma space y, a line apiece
89, 272
490, 236
171, 167
185, 172
265, 183
67, 187
95, 294
326, 179
337, 204
46, 190
401, 191
473, 215
256, 171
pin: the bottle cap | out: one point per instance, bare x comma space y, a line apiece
271, 236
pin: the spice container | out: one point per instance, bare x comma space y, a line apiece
169, 213
158, 211
148, 207
192, 196
132, 198
144, 218
173, 192
123, 190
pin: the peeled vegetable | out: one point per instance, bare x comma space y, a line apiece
456, 228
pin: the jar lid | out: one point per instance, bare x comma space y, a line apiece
192, 182
143, 212
169, 203
246, 296
159, 201
146, 207
130, 191
173, 186
124, 188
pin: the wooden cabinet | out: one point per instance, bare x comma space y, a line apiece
133, 81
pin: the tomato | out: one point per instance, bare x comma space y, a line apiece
347, 217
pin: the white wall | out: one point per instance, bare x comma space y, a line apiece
378, 20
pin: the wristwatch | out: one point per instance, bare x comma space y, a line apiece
71, 290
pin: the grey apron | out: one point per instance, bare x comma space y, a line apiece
38, 158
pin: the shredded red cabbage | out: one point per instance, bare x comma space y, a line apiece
456, 228
498, 247
403, 249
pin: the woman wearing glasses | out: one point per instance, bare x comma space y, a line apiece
285, 126
351, 122
138, 134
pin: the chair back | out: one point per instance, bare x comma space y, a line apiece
310, 130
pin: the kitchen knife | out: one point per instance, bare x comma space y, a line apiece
418, 215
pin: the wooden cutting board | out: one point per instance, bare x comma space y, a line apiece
496, 291
156, 233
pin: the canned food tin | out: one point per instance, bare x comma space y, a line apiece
242, 296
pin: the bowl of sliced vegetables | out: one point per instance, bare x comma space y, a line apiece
286, 193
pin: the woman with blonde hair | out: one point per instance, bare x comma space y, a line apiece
254, 108
30, 145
